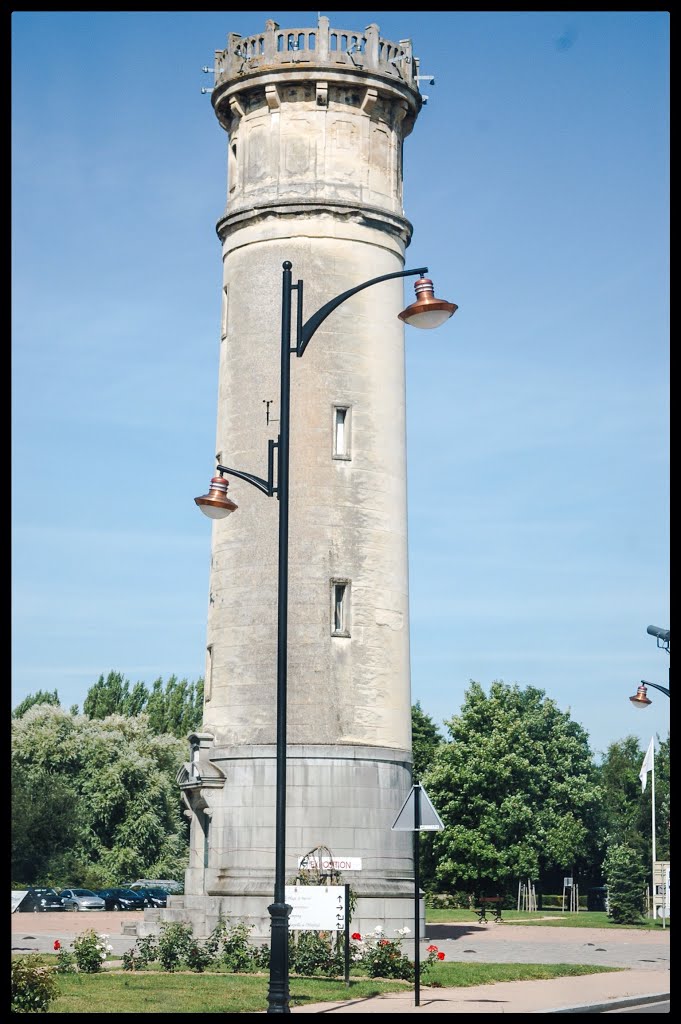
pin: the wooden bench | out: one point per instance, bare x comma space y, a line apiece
489, 904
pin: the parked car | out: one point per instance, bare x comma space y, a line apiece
597, 898
153, 896
38, 899
121, 899
157, 883
81, 899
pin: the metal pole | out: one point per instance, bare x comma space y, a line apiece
417, 909
347, 935
278, 993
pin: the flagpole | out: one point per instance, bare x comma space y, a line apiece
652, 795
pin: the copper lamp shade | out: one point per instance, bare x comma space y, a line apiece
216, 504
641, 698
427, 311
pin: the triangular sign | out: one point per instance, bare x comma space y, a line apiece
417, 817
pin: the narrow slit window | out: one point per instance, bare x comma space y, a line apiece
208, 680
206, 839
225, 312
341, 432
195, 771
340, 608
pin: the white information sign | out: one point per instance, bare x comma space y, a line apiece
17, 897
316, 907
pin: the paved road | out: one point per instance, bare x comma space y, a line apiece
510, 943
491, 943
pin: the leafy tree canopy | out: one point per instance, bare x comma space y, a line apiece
41, 697
174, 707
425, 738
118, 779
626, 810
517, 789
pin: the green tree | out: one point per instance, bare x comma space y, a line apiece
425, 738
625, 879
46, 824
175, 707
121, 779
662, 809
625, 809
41, 697
107, 696
517, 789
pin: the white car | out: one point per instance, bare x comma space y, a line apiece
81, 899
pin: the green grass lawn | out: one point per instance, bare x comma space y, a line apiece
542, 918
152, 992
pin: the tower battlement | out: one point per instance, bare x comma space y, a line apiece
322, 47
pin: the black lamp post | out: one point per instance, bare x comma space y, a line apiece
426, 312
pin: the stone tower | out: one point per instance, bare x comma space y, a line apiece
316, 119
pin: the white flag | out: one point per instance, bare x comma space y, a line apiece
648, 764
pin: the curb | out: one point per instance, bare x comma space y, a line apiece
610, 1004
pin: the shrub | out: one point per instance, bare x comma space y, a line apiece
89, 952
381, 957
626, 881
66, 962
238, 954
450, 900
33, 985
142, 954
316, 953
176, 947
174, 944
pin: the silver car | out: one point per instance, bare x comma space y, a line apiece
81, 899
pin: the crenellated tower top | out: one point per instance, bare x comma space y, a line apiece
316, 117
309, 49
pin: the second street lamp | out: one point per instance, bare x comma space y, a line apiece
426, 312
641, 698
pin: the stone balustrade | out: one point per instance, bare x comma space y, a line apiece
322, 46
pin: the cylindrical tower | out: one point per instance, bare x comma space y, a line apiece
316, 119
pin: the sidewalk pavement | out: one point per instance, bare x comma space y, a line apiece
589, 993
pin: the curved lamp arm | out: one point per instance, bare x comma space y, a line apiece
266, 486
662, 689
306, 330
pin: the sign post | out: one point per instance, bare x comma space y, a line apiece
417, 814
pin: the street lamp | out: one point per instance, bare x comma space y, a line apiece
426, 312
641, 698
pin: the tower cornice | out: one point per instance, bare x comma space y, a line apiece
371, 216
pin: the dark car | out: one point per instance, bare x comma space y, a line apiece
38, 900
597, 898
153, 896
121, 899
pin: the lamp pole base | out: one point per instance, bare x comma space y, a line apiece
278, 992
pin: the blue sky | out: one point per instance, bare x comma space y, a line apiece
537, 181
